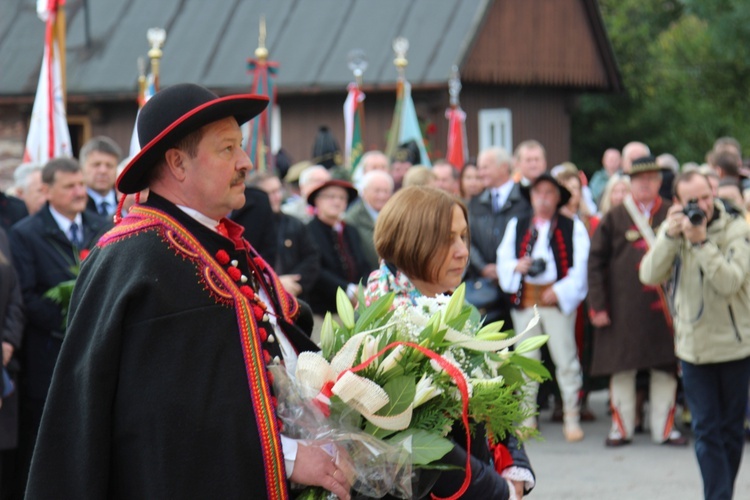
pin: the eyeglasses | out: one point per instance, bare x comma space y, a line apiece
341, 197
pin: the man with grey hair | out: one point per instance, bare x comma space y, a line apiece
669, 168
375, 189
632, 151
27, 186
371, 160
489, 213
99, 159
310, 178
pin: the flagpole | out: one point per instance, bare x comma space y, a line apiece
400, 47
259, 128
156, 37
60, 31
354, 110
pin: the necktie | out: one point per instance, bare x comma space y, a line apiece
104, 208
75, 237
496, 201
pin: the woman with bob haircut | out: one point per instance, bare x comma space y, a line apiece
422, 238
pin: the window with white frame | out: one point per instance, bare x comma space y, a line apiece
496, 129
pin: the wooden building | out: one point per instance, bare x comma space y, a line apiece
522, 64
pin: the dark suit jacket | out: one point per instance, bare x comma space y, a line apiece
256, 217
296, 252
43, 257
11, 211
487, 228
12, 321
332, 274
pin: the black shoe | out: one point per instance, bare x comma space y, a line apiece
676, 439
611, 442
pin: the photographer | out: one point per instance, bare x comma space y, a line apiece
542, 261
705, 247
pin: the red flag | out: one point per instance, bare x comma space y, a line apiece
48, 131
457, 151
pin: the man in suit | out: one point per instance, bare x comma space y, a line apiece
376, 189
99, 159
46, 249
489, 213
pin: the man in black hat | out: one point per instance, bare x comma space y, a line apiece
342, 262
162, 387
541, 262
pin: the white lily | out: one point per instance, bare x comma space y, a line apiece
426, 390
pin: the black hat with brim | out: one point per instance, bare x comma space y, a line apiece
351, 191
547, 177
172, 114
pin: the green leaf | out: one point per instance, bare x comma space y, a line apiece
426, 447
532, 368
345, 309
401, 392
376, 311
531, 344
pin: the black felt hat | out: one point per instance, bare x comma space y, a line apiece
547, 177
408, 152
173, 113
326, 150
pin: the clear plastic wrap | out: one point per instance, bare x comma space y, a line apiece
374, 467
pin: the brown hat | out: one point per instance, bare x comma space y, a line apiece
350, 190
643, 165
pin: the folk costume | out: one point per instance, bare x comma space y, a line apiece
640, 336
161, 388
563, 245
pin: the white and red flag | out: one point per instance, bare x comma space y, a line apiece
49, 136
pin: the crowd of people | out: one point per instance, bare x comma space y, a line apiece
640, 276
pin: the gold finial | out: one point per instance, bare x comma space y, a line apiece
261, 53
400, 47
156, 37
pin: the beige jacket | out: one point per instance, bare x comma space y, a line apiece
712, 289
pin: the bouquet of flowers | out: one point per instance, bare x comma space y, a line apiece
395, 380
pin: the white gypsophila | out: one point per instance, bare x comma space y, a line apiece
450, 358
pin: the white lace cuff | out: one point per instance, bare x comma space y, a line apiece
515, 473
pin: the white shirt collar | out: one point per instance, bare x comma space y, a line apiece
206, 221
63, 222
110, 197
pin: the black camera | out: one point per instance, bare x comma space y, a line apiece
537, 267
694, 213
